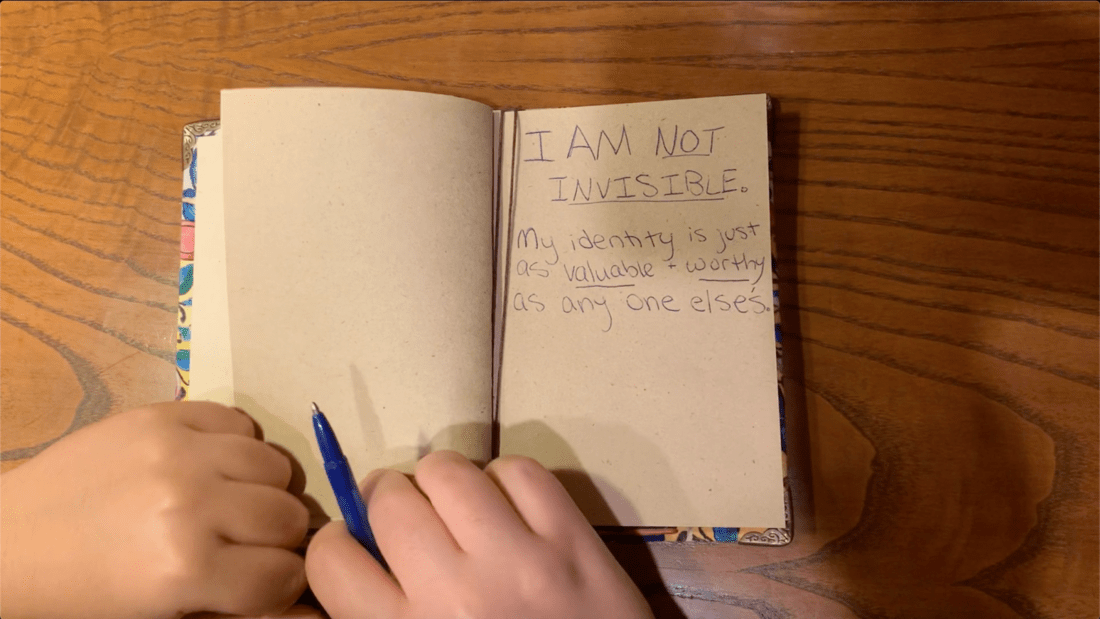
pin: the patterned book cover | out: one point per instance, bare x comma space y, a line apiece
192, 139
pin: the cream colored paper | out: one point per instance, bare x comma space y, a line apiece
359, 263
655, 401
212, 377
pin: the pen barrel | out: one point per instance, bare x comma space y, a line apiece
351, 505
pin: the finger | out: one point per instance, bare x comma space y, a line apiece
297, 484
209, 417
255, 580
409, 532
248, 460
538, 497
545, 505
298, 611
301, 611
346, 579
259, 515
473, 508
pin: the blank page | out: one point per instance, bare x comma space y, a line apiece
358, 259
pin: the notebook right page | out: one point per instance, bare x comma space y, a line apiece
639, 352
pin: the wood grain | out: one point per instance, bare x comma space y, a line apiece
936, 201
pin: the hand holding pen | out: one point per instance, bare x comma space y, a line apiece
498, 543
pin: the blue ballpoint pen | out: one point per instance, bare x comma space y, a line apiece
344, 485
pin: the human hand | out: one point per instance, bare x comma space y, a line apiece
154, 513
502, 543
298, 611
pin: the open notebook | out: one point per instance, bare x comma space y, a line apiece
592, 287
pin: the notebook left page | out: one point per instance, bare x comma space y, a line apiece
358, 244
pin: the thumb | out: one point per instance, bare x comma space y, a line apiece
347, 580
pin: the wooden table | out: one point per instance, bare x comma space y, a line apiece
936, 203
